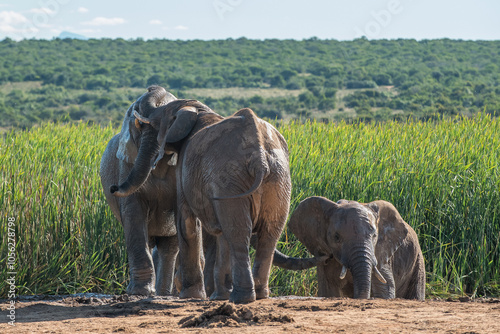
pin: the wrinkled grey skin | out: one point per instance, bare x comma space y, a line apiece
233, 178
148, 214
370, 240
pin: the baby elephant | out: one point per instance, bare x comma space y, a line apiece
366, 240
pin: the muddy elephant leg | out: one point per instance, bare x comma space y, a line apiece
384, 290
210, 250
142, 274
189, 234
167, 249
234, 219
222, 271
415, 282
262, 264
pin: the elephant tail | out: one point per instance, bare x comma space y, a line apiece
294, 263
259, 178
258, 167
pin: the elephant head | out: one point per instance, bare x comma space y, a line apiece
138, 140
354, 233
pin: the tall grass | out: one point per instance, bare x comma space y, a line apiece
67, 239
442, 176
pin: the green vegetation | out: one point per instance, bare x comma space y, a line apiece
443, 176
67, 238
327, 79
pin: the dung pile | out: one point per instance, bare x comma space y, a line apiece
230, 315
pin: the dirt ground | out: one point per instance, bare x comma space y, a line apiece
90, 313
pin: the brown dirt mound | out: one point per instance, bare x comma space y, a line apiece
232, 316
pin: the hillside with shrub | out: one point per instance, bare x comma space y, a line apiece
96, 80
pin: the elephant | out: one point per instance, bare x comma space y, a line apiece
233, 179
147, 216
366, 240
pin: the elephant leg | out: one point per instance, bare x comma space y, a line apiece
210, 250
262, 265
329, 283
190, 256
384, 290
222, 271
154, 254
414, 286
167, 249
142, 274
234, 219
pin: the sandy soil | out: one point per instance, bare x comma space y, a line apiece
132, 314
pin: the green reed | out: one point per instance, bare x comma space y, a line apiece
443, 177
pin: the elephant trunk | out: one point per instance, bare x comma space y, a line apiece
148, 149
361, 274
361, 269
294, 263
142, 167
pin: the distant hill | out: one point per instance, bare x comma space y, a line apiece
67, 34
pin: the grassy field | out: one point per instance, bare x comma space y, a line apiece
442, 176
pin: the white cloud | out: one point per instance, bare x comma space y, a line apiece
155, 22
11, 17
105, 21
181, 28
15, 23
42, 10
82, 10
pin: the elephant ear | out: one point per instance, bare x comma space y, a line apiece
309, 222
392, 230
185, 119
127, 148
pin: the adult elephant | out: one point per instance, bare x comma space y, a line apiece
233, 177
365, 240
148, 215
147, 210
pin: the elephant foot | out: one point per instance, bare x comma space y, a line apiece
147, 289
242, 296
193, 292
262, 293
164, 292
223, 295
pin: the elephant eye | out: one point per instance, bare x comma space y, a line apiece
337, 238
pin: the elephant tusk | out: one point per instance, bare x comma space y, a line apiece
343, 272
141, 118
173, 160
378, 275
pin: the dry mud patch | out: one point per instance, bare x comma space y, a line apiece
133, 314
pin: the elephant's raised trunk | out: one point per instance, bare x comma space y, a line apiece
148, 149
142, 167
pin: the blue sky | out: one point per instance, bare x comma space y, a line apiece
256, 19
